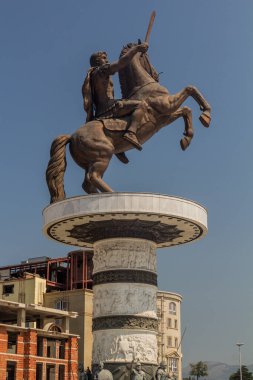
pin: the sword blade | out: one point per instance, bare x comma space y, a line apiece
150, 25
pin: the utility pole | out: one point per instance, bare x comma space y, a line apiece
239, 345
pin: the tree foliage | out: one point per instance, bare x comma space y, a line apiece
246, 375
199, 369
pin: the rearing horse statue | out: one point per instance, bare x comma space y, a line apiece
93, 145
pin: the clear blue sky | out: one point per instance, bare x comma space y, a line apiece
45, 47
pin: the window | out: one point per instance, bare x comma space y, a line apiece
11, 371
62, 349
169, 323
8, 289
50, 372
61, 304
176, 343
39, 371
39, 346
173, 364
12, 342
61, 372
172, 308
169, 341
51, 348
175, 324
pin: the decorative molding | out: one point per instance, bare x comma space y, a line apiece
124, 322
124, 254
125, 275
124, 299
155, 231
124, 346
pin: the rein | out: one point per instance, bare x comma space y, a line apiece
139, 88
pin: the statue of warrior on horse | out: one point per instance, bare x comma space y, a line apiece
116, 126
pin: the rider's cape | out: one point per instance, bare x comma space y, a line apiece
87, 96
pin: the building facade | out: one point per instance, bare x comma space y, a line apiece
66, 284
46, 352
81, 301
169, 333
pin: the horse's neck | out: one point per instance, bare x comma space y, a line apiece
135, 77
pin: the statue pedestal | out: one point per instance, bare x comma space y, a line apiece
125, 229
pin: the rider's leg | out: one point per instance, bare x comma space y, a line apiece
138, 108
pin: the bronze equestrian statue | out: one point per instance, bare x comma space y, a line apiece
116, 126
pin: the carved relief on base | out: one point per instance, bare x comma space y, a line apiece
115, 299
124, 254
124, 346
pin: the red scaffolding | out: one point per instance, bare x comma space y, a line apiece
64, 273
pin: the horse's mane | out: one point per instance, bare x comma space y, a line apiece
144, 61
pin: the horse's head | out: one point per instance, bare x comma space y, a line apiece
138, 69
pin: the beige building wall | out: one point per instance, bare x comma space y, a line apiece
27, 290
81, 301
169, 332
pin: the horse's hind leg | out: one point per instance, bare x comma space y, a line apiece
96, 172
87, 186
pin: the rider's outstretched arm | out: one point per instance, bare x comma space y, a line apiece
126, 59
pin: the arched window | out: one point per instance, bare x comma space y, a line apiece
172, 308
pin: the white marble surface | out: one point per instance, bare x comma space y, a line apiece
124, 254
124, 299
186, 215
124, 346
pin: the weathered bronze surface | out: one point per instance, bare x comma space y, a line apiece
124, 322
115, 126
125, 276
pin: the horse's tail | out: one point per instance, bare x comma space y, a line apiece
56, 168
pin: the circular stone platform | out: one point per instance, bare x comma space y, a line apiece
163, 219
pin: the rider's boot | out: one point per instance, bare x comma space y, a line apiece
131, 137
122, 157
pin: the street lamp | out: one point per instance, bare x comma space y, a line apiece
239, 345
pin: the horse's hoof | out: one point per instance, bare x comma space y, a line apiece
205, 118
184, 143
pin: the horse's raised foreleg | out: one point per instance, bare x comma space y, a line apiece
186, 113
96, 172
192, 91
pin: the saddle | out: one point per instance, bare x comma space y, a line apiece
112, 125
120, 124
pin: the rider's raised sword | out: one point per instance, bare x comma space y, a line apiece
150, 25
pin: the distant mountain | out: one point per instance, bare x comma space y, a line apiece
217, 371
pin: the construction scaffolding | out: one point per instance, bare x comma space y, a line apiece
64, 273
